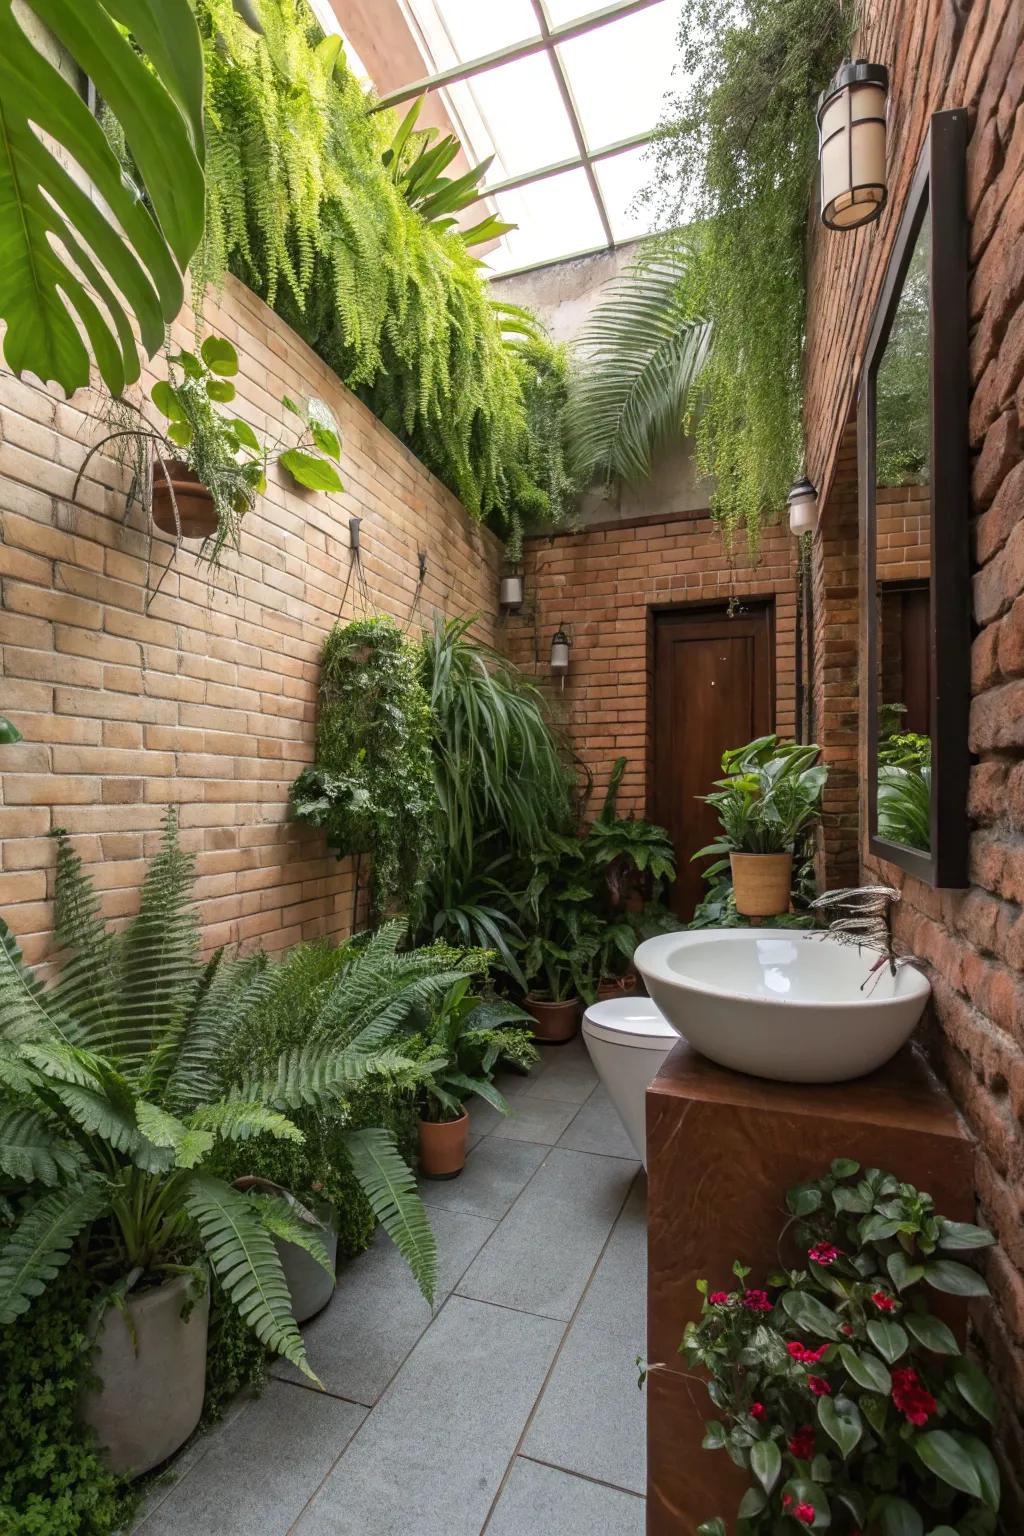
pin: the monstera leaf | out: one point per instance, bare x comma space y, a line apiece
72, 261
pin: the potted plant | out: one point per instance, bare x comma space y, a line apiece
310, 1269
563, 940
836, 1386
769, 798
110, 1089
633, 858
459, 1049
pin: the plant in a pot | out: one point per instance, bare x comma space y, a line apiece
835, 1385
563, 939
309, 1268
767, 801
459, 1048
633, 858
112, 1111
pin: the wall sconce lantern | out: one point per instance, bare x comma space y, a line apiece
851, 144
510, 594
803, 507
560, 646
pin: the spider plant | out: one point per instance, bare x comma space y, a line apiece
112, 1106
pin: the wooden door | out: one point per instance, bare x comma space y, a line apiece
713, 689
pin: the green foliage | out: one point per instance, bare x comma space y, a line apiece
56, 241
313, 462
903, 381
545, 484
462, 1045
769, 798
52, 1480
736, 161
562, 952
416, 161
370, 788
905, 804
845, 1397
302, 207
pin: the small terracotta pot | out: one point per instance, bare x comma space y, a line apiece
443, 1147
761, 883
195, 504
618, 986
555, 1023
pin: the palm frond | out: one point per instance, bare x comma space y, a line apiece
640, 354
40, 1244
390, 1187
248, 1266
31, 1151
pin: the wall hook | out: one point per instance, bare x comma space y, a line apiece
423, 565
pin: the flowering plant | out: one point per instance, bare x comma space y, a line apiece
844, 1396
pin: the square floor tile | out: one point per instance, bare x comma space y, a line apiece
496, 1172
540, 1120
597, 1128
542, 1501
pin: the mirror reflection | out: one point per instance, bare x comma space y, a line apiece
902, 557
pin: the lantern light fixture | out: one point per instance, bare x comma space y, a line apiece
560, 647
510, 595
851, 144
803, 507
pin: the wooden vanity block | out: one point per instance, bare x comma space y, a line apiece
722, 1149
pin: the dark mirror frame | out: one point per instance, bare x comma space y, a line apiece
938, 193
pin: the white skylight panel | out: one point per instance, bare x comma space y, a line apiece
555, 218
620, 73
459, 30
522, 114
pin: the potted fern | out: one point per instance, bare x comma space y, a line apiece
112, 1111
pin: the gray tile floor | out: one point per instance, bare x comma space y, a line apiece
513, 1409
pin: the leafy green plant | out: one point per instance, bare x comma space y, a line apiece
735, 160
416, 160
313, 462
640, 354
562, 952
843, 1394
769, 798
370, 788
9, 733
472, 906
905, 804
626, 846
75, 268
112, 1104
463, 1044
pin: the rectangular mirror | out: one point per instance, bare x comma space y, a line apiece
915, 553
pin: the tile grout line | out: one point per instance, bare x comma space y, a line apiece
584, 1477
557, 1356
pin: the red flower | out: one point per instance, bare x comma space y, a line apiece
824, 1253
756, 1301
847, 1331
820, 1387
805, 1513
758, 1411
803, 1355
913, 1400
787, 1500
719, 1298
883, 1301
801, 1444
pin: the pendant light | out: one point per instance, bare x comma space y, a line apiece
803, 507
851, 144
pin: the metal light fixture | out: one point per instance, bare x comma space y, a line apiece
803, 507
560, 646
511, 592
851, 144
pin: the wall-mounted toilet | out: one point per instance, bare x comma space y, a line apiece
628, 1039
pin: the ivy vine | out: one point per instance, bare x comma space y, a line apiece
371, 787
736, 159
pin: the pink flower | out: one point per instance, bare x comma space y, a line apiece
719, 1298
803, 1355
847, 1331
787, 1500
913, 1400
758, 1411
801, 1443
805, 1513
883, 1301
824, 1253
820, 1387
756, 1301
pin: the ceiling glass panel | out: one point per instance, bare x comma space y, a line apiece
519, 114
458, 30
555, 217
619, 73
620, 178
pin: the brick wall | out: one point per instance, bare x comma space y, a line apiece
207, 700
948, 55
603, 584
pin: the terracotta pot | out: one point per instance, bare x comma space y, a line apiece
761, 883
555, 1023
443, 1147
619, 986
152, 1373
195, 504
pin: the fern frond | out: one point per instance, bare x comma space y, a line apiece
315, 1074
234, 989
40, 1244
189, 1144
31, 1151
389, 1185
84, 989
283, 1221
27, 1010
231, 1120
246, 1262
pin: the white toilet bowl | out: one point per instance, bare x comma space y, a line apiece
628, 1039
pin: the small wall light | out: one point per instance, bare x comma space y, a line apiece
803, 507
511, 592
851, 144
560, 646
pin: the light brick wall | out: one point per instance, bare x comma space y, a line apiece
208, 700
939, 56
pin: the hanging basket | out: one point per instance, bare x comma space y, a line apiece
196, 510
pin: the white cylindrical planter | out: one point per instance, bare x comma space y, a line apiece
152, 1374
310, 1285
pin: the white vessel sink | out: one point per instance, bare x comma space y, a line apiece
798, 1007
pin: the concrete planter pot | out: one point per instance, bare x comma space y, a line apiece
443, 1147
761, 883
310, 1285
152, 1373
555, 1023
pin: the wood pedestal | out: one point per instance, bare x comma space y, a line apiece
722, 1149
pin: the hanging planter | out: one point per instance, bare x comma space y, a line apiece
181, 505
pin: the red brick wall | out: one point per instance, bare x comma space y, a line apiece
208, 700
948, 55
604, 583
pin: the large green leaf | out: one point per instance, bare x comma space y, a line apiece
390, 1186
949, 1460
41, 1244
115, 264
31, 1151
